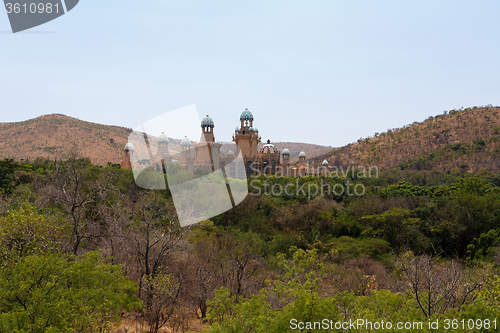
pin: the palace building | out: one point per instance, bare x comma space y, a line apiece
206, 154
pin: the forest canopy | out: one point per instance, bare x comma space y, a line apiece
83, 248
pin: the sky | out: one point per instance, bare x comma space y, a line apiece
324, 72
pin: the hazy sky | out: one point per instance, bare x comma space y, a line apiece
325, 72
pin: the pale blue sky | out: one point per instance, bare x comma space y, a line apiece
325, 72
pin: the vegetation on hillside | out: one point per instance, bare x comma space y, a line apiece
85, 243
416, 243
464, 140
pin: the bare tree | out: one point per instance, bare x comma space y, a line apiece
433, 284
153, 233
165, 295
221, 258
72, 188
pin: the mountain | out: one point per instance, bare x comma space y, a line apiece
58, 136
464, 140
295, 148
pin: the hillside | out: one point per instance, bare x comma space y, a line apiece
464, 140
295, 148
57, 136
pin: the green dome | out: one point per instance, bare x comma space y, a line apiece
207, 121
302, 154
325, 162
246, 115
285, 152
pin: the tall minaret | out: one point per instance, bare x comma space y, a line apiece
325, 168
302, 159
162, 155
207, 150
246, 137
285, 163
186, 155
207, 130
128, 156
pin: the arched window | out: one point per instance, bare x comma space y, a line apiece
265, 167
251, 168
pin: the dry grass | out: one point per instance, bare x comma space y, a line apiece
131, 325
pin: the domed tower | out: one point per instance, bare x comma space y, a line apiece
325, 167
302, 159
207, 150
285, 162
285, 154
269, 158
186, 144
162, 155
186, 156
207, 127
128, 156
246, 119
246, 137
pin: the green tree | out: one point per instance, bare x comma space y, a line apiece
23, 231
397, 226
52, 293
482, 245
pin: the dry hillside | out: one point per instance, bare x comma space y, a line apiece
57, 136
295, 148
466, 139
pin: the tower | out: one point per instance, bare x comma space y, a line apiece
325, 167
162, 155
269, 157
207, 130
128, 156
207, 150
186, 156
285, 157
302, 158
301, 169
246, 137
